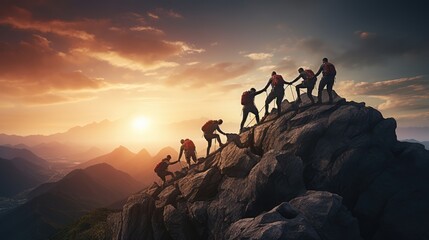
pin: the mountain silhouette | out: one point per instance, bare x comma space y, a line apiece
53, 205
331, 171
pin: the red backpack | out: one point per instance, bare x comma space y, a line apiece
162, 166
246, 98
277, 80
188, 145
209, 126
329, 69
310, 74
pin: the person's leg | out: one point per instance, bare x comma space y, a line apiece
194, 157
254, 110
162, 176
298, 92
310, 94
209, 143
188, 160
330, 85
243, 121
218, 139
168, 173
269, 99
322, 85
279, 101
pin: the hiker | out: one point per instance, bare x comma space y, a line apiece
277, 92
329, 72
161, 168
209, 129
189, 148
309, 80
248, 102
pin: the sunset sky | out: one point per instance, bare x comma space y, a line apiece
70, 63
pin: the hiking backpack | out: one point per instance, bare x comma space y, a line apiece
208, 127
329, 69
277, 80
188, 145
310, 74
246, 98
161, 166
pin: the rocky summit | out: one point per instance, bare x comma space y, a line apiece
330, 171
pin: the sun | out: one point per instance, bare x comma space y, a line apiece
140, 123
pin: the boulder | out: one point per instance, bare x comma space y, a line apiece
200, 186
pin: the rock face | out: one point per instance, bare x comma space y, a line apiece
331, 171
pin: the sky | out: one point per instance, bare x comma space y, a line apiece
70, 63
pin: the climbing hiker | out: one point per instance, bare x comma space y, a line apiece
277, 92
309, 80
188, 147
328, 71
161, 168
248, 102
209, 129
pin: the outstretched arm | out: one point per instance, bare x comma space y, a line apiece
319, 71
181, 152
259, 92
296, 79
218, 129
171, 163
266, 86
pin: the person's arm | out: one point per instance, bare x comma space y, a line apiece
218, 129
320, 70
171, 163
296, 79
266, 86
181, 152
259, 92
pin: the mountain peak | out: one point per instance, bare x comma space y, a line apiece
122, 149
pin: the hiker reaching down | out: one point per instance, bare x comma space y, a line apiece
309, 80
188, 147
161, 168
277, 92
248, 102
209, 129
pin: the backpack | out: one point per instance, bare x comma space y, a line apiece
246, 98
160, 167
209, 126
188, 145
277, 80
329, 69
311, 77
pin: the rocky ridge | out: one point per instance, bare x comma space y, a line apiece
332, 171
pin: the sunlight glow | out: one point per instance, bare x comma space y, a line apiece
140, 123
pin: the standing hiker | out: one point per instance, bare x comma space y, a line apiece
248, 102
277, 92
161, 168
309, 80
188, 147
329, 73
209, 129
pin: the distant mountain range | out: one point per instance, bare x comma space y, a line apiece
53, 205
424, 143
20, 169
140, 165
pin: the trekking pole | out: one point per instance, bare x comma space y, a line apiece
254, 117
293, 96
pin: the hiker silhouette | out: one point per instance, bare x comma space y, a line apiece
188, 147
161, 168
328, 71
309, 80
277, 92
248, 102
209, 129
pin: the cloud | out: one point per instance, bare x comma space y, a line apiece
371, 49
398, 95
287, 65
197, 76
315, 46
153, 15
146, 28
259, 56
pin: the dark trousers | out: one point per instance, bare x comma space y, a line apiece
309, 90
246, 110
278, 95
327, 81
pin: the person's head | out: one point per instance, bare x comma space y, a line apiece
168, 157
300, 70
325, 60
182, 141
273, 73
253, 90
220, 121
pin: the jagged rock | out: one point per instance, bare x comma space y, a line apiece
327, 215
235, 162
282, 222
200, 186
137, 217
177, 223
167, 196
114, 221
